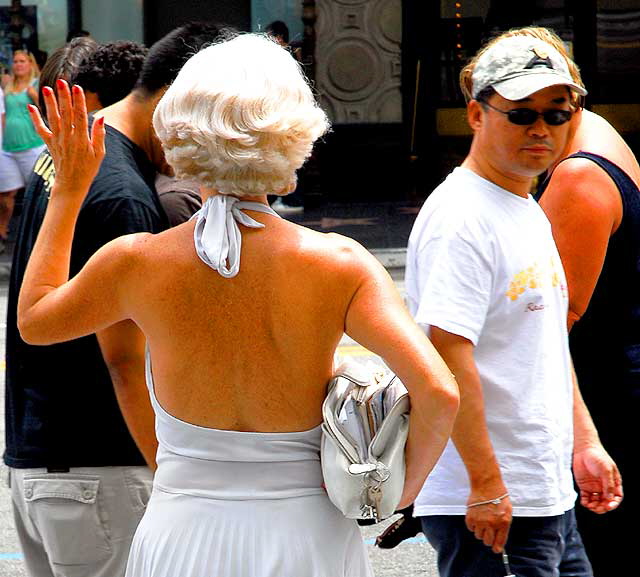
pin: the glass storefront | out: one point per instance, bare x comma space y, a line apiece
386, 71
602, 35
40, 26
113, 20
466, 25
605, 34
263, 12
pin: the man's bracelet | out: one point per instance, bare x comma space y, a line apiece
495, 501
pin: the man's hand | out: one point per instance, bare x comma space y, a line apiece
598, 479
490, 523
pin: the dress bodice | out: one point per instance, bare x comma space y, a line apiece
236, 465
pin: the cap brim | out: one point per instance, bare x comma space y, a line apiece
522, 86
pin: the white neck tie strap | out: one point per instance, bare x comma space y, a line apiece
217, 237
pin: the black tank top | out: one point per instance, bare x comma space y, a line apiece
605, 345
605, 342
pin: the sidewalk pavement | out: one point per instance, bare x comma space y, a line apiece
381, 227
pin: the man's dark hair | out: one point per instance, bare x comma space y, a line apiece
64, 63
112, 70
485, 94
167, 56
278, 28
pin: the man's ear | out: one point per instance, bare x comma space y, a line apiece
475, 115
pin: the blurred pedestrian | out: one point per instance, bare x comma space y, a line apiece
21, 146
1, 115
81, 473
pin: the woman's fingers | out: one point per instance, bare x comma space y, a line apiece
53, 116
80, 109
76, 153
41, 128
66, 108
66, 113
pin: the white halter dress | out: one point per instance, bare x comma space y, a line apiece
239, 504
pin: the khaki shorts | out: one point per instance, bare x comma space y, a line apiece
80, 523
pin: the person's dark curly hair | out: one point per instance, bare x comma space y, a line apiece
112, 70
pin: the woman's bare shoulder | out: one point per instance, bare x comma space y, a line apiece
127, 252
334, 250
130, 245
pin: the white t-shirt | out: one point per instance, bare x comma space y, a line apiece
482, 263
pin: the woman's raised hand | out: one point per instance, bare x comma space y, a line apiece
76, 153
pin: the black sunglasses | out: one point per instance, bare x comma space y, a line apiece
527, 116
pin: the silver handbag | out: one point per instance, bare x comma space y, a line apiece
365, 427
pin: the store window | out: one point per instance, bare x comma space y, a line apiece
466, 25
263, 12
40, 26
113, 20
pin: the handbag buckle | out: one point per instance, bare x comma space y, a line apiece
380, 474
361, 468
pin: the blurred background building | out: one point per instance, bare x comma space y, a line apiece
385, 70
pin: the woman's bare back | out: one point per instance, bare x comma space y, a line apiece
253, 352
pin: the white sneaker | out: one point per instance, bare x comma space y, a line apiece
283, 209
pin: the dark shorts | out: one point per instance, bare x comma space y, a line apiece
537, 547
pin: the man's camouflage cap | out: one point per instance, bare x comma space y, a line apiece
517, 66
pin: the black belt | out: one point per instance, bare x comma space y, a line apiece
57, 469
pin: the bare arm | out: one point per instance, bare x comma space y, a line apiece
378, 319
490, 523
585, 209
51, 308
596, 474
123, 349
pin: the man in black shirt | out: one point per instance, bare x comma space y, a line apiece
80, 440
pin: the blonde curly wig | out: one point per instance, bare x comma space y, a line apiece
240, 118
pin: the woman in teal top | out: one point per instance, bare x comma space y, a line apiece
21, 144
18, 126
